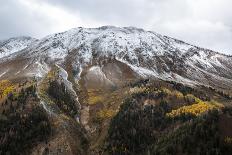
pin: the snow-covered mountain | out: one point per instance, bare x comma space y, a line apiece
13, 45
104, 53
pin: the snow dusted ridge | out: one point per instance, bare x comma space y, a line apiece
13, 45
147, 53
108, 41
124, 43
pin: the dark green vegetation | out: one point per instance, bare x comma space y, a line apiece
200, 136
62, 98
23, 122
143, 127
143, 117
136, 127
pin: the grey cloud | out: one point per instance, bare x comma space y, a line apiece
125, 12
15, 20
107, 10
165, 16
205, 23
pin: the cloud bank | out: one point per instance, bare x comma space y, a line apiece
206, 23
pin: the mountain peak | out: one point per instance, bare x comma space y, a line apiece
147, 53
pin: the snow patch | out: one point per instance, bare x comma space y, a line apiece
143, 72
64, 77
97, 71
17, 72
3, 73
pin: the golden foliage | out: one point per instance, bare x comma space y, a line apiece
5, 87
178, 94
195, 109
95, 99
8, 90
175, 93
95, 96
4, 84
105, 114
228, 140
51, 74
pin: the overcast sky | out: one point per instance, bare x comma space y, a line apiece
207, 23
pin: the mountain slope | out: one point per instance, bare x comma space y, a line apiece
147, 53
13, 45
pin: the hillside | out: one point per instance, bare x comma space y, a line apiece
112, 90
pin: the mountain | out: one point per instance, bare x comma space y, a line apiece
113, 90
146, 53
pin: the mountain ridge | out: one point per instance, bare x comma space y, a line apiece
114, 27
147, 53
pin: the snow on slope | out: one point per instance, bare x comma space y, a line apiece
127, 43
147, 53
13, 45
105, 41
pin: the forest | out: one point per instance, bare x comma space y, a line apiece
23, 122
154, 118
162, 120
